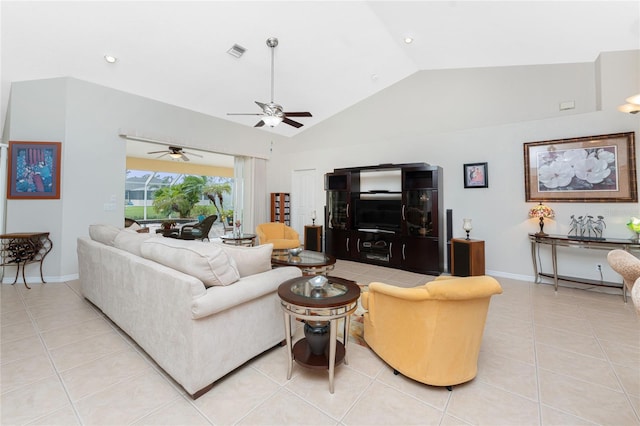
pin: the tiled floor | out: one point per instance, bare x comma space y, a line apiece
571, 358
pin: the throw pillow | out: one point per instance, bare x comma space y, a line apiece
130, 241
205, 261
105, 234
249, 260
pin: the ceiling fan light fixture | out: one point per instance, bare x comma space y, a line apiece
632, 106
175, 155
635, 99
271, 120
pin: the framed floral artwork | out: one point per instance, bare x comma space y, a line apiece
592, 169
34, 170
475, 175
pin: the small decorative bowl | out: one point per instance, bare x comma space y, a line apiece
295, 251
318, 281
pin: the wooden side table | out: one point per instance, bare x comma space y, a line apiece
320, 308
23, 248
467, 257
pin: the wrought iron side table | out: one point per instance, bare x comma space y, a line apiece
23, 248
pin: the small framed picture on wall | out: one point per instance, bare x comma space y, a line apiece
476, 175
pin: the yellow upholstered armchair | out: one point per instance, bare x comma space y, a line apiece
431, 333
280, 235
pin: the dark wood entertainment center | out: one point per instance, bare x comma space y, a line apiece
389, 214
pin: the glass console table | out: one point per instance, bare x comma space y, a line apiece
586, 243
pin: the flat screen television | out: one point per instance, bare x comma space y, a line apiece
378, 214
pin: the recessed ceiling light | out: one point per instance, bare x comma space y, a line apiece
408, 40
110, 59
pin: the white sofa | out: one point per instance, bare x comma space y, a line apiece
199, 309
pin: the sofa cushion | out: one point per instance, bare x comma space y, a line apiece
249, 260
130, 241
205, 261
105, 234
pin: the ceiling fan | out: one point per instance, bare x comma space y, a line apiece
176, 153
272, 113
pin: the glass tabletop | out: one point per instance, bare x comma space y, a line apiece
318, 287
319, 291
304, 258
237, 237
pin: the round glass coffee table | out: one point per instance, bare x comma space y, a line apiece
309, 261
239, 239
320, 305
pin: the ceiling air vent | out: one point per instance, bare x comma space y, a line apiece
236, 50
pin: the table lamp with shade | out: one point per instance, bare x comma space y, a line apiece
541, 211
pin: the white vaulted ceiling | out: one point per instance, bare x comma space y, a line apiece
331, 54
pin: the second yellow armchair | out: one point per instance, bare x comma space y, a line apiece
431, 333
280, 235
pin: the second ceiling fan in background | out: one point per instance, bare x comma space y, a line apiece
272, 113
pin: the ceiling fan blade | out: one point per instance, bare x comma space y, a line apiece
184, 157
160, 156
157, 152
191, 153
298, 114
259, 124
292, 123
261, 105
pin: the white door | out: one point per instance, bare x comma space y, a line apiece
302, 196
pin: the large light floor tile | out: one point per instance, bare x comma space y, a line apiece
508, 374
17, 349
75, 332
435, 396
592, 402
83, 351
17, 331
32, 401
574, 342
382, 405
480, 403
284, 409
313, 387
24, 371
127, 401
178, 412
98, 374
235, 395
581, 367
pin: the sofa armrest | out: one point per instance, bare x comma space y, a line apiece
220, 298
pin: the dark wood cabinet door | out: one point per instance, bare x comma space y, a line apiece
338, 243
421, 255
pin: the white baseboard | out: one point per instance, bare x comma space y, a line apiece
35, 279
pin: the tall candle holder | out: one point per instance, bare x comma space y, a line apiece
466, 225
